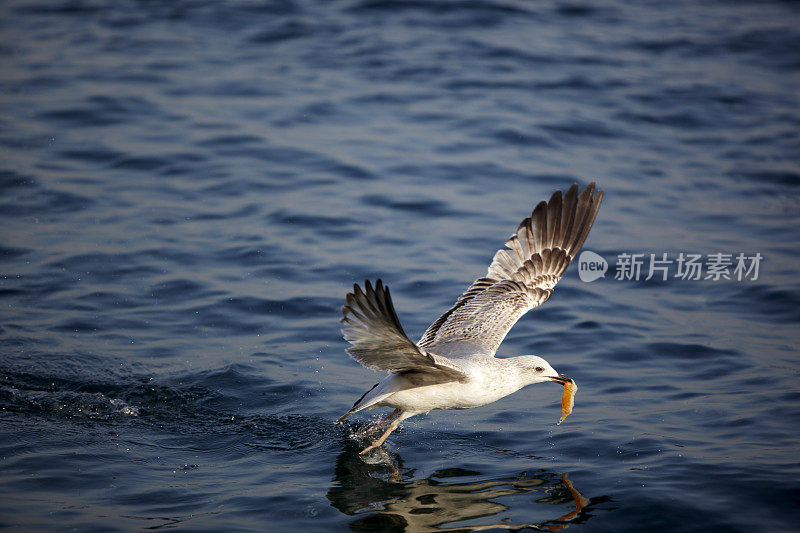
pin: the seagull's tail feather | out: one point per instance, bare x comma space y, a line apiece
547, 241
368, 399
355, 407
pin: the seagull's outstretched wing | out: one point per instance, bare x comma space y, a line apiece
377, 340
521, 277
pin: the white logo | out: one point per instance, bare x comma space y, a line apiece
591, 266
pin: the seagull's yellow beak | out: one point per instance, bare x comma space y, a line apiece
562, 379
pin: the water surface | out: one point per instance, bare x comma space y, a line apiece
188, 189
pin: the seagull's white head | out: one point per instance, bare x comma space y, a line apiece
534, 369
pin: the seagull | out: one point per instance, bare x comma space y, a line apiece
453, 366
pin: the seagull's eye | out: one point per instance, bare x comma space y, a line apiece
539, 369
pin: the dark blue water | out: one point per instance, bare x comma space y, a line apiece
189, 188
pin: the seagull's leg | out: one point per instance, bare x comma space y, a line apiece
394, 414
380, 424
382, 439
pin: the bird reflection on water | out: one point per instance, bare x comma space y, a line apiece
385, 496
